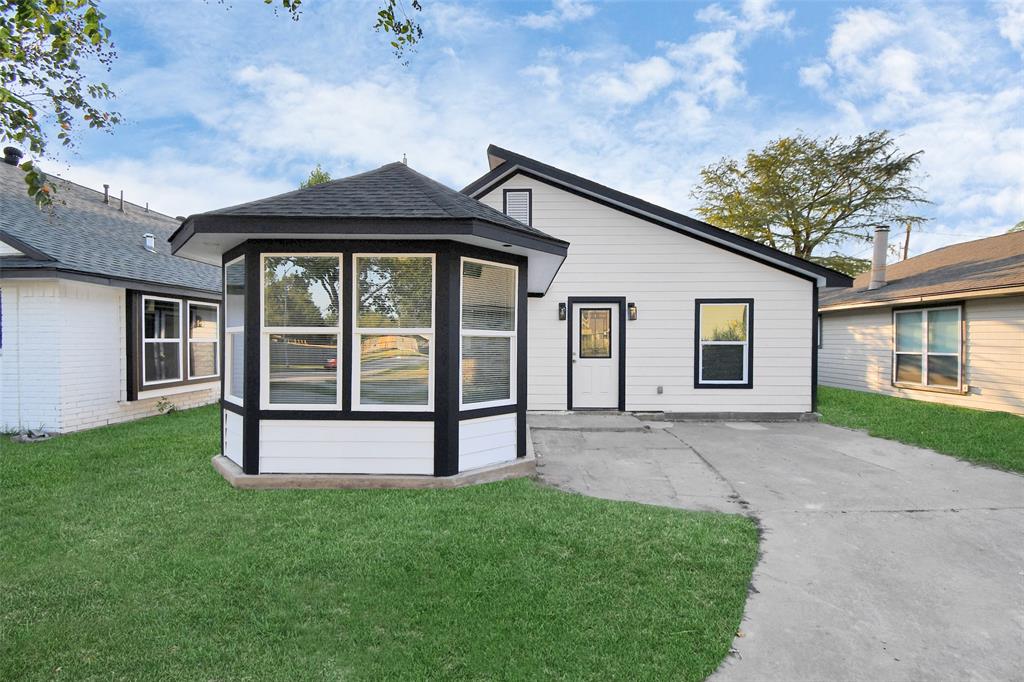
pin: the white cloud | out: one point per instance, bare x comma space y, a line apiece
859, 30
754, 16
636, 82
562, 12
709, 63
1011, 22
550, 76
816, 75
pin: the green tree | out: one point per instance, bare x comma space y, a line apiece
44, 45
803, 195
1019, 227
316, 176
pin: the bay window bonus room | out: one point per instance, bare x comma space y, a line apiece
383, 337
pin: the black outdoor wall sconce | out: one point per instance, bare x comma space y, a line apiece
631, 308
561, 311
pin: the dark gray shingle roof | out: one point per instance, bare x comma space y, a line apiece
992, 263
83, 235
391, 191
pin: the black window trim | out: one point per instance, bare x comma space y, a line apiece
135, 343
529, 202
697, 382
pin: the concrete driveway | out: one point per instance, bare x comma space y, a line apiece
879, 561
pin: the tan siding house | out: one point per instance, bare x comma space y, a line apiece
884, 339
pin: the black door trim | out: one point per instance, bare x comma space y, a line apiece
621, 302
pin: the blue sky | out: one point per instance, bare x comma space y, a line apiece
226, 103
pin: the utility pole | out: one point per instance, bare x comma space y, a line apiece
906, 242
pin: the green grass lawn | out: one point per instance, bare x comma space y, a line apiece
992, 438
123, 555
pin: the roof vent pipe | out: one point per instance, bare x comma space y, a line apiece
122, 202
106, 193
12, 155
879, 256
150, 242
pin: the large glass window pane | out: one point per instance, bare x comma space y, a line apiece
722, 362
162, 361
595, 333
162, 319
202, 359
723, 322
486, 368
301, 291
394, 369
908, 331
943, 331
236, 348
303, 369
395, 291
202, 322
488, 297
234, 293
908, 369
943, 370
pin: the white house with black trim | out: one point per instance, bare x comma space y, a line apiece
98, 320
386, 324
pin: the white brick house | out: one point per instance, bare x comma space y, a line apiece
74, 281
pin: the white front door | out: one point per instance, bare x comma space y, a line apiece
595, 355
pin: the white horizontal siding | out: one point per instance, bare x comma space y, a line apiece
614, 254
346, 447
486, 441
856, 353
233, 437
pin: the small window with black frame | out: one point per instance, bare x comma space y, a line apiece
723, 350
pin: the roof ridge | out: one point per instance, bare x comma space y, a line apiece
98, 192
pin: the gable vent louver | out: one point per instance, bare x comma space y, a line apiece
517, 205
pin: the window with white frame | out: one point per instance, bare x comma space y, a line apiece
203, 340
161, 340
723, 343
393, 331
928, 347
301, 330
234, 329
488, 328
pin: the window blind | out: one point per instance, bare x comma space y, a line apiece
488, 297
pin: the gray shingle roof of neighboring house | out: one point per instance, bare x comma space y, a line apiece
391, 191
993, 263
81, 235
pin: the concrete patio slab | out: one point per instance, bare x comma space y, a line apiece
880, 561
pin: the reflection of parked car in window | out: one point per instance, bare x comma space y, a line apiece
331, 364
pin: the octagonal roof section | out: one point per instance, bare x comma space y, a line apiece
393, 202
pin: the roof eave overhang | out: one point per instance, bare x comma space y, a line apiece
58, 272
822, 277
237, 229
989, 292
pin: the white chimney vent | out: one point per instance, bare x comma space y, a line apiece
150, 242
879, 257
